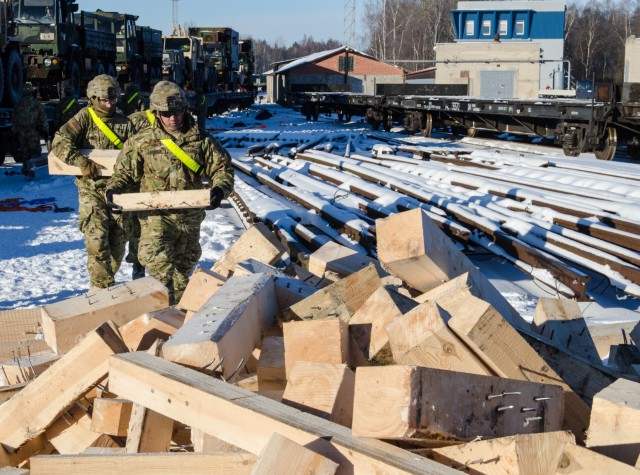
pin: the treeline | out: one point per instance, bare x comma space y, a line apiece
404, 32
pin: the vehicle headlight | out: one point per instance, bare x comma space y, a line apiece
47, 62
118, 68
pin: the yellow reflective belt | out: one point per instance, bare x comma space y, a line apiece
73, 101
135, 94
105, 129
182, 156
151, 117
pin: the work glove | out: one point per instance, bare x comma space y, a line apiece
89, 169
215, 197
115, 209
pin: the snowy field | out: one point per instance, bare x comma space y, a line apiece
42, 256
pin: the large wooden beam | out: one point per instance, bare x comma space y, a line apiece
336, 261
34, 408
184, 199
26, 368
111, 416
105, 158
282, 455
19, 333
406, 401
65, 322
144, 464
247, 420
141, 332
148, 431
229, 325
271, 369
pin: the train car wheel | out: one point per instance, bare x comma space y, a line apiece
428, 125
610, 143
472, 132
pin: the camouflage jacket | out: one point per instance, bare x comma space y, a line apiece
145, 164
129, 104
140, 120
29, 117
65, 110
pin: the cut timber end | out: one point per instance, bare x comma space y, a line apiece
282, 455
202, 285
105, 158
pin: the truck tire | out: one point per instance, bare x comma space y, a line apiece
111, 70
1, 81
14, 78
74, 77
100, 69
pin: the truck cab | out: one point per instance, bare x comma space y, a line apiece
174, 66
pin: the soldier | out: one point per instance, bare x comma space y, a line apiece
29, 125
98, 125
66, 108
199, 107
171, 155
131, 101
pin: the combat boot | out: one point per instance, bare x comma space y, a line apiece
138, 271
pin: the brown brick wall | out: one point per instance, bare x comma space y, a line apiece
362, 66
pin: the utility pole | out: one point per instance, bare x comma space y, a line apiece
349, 22
176, 23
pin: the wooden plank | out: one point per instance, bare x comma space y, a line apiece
282, 455
340, 299
202, 285
13, 471
271, 369
143, 464
561, 321
141, 332
19, 333
158, 200
106, 158
336, 260
148, 431
257, 242
247, 420
450, 405
501, 347
615, 419
203, 442
72, 434
606, 334
26, 368
421, 337
111, 416
7, 392
321, 341
368, 326
323, 389
65, 322
33, 409
229, 325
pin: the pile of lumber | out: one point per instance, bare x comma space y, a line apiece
410, 364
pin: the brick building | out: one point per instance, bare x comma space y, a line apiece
341, 69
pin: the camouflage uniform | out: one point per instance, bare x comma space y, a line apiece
200, 109
170, 239
66, 109
131, 101
103, 231
29, 124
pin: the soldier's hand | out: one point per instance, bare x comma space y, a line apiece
89, 169
215, 197
115, 209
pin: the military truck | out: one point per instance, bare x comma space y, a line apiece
11, 77
139, 51
174, 67
202, 76
221, 49
58, 45
246, 66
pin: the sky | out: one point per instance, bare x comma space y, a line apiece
283, 21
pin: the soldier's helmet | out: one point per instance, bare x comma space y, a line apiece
103, 87
167, 96
28, 89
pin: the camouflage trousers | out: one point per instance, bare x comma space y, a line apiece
27, 146
132, 230
170, 248
104, 236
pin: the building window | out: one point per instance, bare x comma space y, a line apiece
341, 60
503, 28
519, 27
486, 27
470, 28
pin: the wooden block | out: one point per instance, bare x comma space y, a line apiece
143, 464
13, 471
229, 325
561, 321
20, 333
502, 349
141, 332
111, 416
271, 369
340, 260
148, 431
615, 422
282, 455
340, 299
408, 401
202, 285
515, 455
323, 389
421, 337
368, 326
606, 334
65, 322
321, 341
72, 434
247, 420
203, 442
257, 242
106, 158
158, 200
7, 392
33, 409
26, 368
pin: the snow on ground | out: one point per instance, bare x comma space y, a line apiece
42, 256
